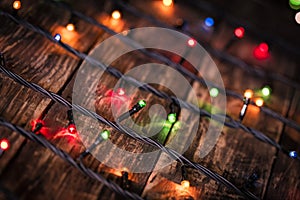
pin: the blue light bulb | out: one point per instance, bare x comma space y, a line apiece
57, 37
293, 154
209, 21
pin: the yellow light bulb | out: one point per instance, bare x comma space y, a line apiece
17, 5
248, 93
185, 184
167, 2
70, 27
116, 14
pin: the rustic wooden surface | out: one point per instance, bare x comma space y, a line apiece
32, 172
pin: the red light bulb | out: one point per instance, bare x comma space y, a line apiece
261, 52
239, 32
4, 144
72, 129
191, 42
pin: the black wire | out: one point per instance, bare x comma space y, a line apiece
186, 72
65, 156
230, 122
220, 54
127, 131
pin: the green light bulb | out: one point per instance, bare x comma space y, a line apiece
295, 2
142, 103
214, 92
172, 117
105, 134
266, 91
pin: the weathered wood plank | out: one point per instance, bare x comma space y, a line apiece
284, 181
37, 60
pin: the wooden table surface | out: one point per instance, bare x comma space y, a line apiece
30, 171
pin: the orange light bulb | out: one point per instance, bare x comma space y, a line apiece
248, 94
70, 27
17, 5
259, 102
185, 184
116, 14
167, 2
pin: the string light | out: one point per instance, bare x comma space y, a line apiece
259, 102
239, 32
266, 91
213, 92
136, 108
172, 118
167, 3
209, 22
191, 42
17, 5
104, 135
120, 91
116, 14
248, 93
247, 97
125, 182
37, 125
293, 154
4, 144
70, 27
261, 52
294, 4
57, 37
297, 17
184, 182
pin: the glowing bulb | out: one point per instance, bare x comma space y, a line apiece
70, 27
293, 154
185, 184
214, 92
297, 17
259, 102
4, 144
57, 37
266, 91
261, 51
172, 117
17, 5
191, 42
167, 2
295, 2
116, 14
248, 94
72, 129
105, 134
209, 21
239, 32
142, 103
120, 91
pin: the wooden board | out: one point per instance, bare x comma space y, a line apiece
235, 155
